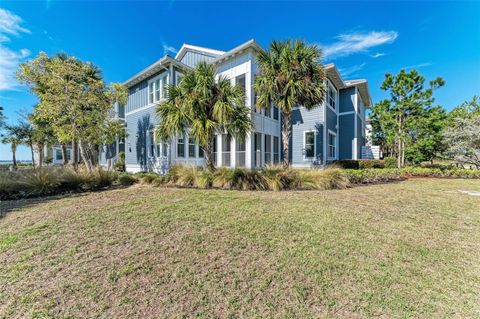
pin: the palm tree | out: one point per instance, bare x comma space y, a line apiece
203, 106
14, 138
290, 75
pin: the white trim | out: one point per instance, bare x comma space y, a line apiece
355, 137
324, 159
346, 113
330, 84
161, 78
185, 47
305, 158
143, 108
336, 145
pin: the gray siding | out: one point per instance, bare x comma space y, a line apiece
136, 144
347, 100
304, 120
346, 124
191, 58
360, 141
137, 96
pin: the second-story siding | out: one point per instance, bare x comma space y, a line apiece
137, 96
303, 121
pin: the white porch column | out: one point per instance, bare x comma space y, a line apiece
233, 152
248, 151
219, 150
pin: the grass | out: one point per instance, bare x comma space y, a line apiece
408, 249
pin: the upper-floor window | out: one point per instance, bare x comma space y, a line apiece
331, 96
157, 88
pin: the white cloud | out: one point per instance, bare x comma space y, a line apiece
348, 71
10, 25
355, 42
168, 49
417, 66
377, 55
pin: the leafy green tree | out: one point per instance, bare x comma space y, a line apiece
74, 99
409, 101
462, 135
383, 128
426, 137
43, 135
290, 75
203, 106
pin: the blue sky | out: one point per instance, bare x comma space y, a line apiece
364, 39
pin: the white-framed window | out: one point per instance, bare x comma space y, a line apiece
151, 140
226, 149
58, 154
332, 96
240, 152
157, 88
181, 146
309, 144
268, 149
191, 147
276, 154
275, 113
332, 145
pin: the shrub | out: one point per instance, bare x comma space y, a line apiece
372, 175
126, 179
390, 162
371, 163
120, 163
347, 164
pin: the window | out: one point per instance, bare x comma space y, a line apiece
255, 98
268, 111
258, 149
69, 152
240, 150
58, 154
201, 153
179, 78
226, 149
191, 147
150, 92
275, 113
309, 143
181, 146
157, 89
165, 149
276, 157
165, 86
240, 81
151, 139
332, 96
214, 153
268, 149
332, 152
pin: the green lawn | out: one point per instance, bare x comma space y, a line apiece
409, 249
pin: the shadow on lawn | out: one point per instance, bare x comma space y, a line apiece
8, 206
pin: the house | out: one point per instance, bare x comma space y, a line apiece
334, 130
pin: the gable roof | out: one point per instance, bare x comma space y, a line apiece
334, 75
242, 47
188, 47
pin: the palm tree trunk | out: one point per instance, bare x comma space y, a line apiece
208, 150
14, 157
64, 154
286, 132
33, 155
40, 154
83, 153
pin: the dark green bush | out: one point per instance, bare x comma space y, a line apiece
390, 162
126, 179
347, 164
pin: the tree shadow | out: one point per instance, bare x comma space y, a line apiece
143, 127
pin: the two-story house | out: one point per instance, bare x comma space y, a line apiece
334, 130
